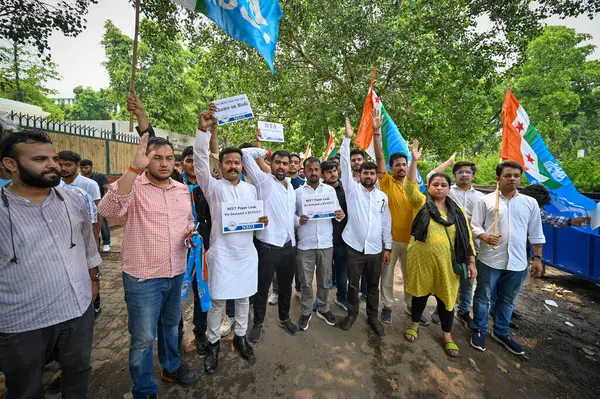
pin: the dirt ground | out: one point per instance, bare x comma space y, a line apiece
325, 362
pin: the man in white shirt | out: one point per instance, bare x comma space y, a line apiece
502, 259
368, 235
463, 193
276, 243
315, 246
231, 258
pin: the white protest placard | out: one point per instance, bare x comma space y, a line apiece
270, 131
233, 109
319, 206
241, 216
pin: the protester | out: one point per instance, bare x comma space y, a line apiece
86, 167
301, 173
231, 258
296, 180
367, 234
340, 251
275, 244
502, 259
441, 238
463, 193
402, 216
49, 262
179, 163
541, 194
158, 218
315, 247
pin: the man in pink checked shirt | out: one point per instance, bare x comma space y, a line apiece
158, 218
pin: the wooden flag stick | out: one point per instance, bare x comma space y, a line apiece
134, 58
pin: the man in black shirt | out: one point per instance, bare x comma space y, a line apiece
86, 167
330, 175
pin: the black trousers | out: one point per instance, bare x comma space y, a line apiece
446, 316
273, 259
23, 356
371, 265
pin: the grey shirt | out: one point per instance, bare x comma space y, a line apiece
49, 283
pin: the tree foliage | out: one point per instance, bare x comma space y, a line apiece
31, 22
89, 105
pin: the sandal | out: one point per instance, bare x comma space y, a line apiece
411, 335
451, 349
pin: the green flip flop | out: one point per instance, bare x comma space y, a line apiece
449, 347
411, 333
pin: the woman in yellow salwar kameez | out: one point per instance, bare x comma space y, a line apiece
439, 223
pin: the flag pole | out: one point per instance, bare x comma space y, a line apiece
134, 58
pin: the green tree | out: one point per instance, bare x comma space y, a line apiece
90, 105
31, 22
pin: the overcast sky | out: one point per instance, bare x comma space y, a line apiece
79, 59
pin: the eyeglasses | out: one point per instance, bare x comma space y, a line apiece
464, 172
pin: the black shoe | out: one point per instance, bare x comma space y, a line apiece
255, 334
288, 326
466, 319
386, 315
303, 322
347, 323
54, 387
211, 358
516, 314
327, 317
201, 343
242, 345
376, 326
183, 375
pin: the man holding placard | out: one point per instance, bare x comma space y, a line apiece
275, 245
316, 205
232, 259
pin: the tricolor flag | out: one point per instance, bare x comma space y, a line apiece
251, 21
308, 152
330, 145
391, 137
522, 144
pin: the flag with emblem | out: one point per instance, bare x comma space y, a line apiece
250, 21
522, 144
392, 140
330, 146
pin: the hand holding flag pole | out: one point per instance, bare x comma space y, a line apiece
134, 58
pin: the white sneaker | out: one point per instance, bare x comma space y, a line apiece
227, 326
273, 299
106, 248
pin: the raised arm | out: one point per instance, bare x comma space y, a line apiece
134, 104
378, 143
251, 166
202, 144
416, 155
347, 179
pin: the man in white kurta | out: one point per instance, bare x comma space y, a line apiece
232, 258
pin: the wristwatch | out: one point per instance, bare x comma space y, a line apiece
537, 257
96, 277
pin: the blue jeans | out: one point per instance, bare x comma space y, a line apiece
105, 232
340, 268
508, 284
153, 306
466, 296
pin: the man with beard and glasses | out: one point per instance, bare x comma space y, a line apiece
329, 170
49, 262
315, 247
232, 259
275, 244
367, 234
402, 217
463, 193
158, 218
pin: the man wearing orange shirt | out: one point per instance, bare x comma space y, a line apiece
402, 218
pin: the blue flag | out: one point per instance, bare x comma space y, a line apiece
255, 22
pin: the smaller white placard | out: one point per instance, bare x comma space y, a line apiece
241, 216
270, 131
233, 109
319, 206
